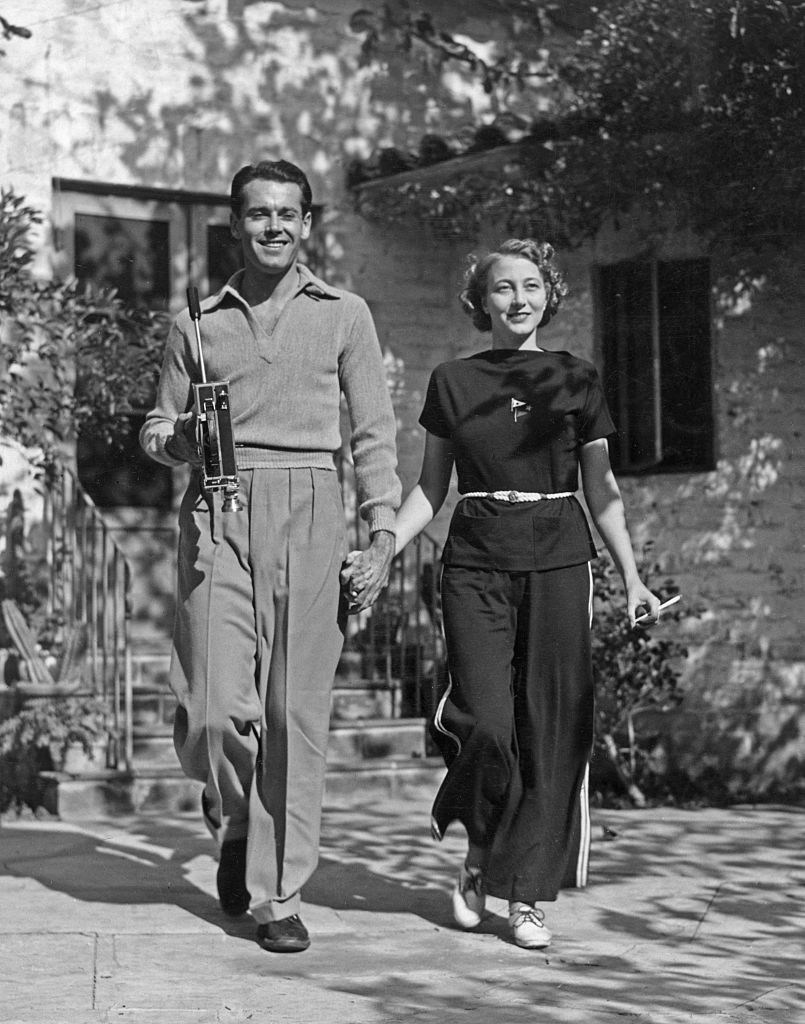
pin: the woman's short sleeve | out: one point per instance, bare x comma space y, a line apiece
434, 417
596, 421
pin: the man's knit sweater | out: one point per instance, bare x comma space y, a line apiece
285, 386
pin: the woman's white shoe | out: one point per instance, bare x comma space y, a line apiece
469, 898
527, 925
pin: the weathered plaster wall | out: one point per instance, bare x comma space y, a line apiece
182, 93
732, 538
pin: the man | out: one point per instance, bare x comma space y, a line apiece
260, 617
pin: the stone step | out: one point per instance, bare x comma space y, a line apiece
376, 737
149, 670
368, 701
154, 706
153, 748
162, 790
389, 777
150, 664
350, 741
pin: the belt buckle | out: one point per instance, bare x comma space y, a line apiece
512, 496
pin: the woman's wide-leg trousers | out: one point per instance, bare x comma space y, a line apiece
516, 724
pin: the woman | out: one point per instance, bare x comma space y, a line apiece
516, 724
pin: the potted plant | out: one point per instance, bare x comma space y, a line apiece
68, 734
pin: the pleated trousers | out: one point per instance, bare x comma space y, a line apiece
515, 724
259, 629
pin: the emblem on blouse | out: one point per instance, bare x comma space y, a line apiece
519, 409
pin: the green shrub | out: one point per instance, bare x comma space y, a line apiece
635, 669
36, 738
72, 359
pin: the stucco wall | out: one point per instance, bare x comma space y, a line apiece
180, 94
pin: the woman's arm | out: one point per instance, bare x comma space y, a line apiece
359, 574
603, 497
428, 495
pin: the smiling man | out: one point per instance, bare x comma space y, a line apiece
260, 615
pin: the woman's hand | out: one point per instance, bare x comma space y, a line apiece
638, 597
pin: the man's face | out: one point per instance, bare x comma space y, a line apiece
271, 225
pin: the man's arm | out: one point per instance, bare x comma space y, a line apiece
374, 450
418, 509
168, 434
372, 422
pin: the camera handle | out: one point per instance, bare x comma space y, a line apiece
214, 434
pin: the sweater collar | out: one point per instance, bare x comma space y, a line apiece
307, 284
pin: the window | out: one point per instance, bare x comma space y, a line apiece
149, 244
654, 325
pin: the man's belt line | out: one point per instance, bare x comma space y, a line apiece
514, 496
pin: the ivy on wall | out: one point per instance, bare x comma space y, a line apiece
690, 111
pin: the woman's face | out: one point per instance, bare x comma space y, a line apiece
515, 300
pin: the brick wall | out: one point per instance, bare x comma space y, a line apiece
730, 538
181, 95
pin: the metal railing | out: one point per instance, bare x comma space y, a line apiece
399, 641
89, 599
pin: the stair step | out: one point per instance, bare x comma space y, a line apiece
361, 682
350, 741
154, 748
376, 737
154, 706
363, 702
150, 670
160, 789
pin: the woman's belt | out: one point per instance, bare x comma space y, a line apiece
516, 496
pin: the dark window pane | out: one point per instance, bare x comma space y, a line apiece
223, 256
132, 256
686, 371
626, 322
125, 475
657, 358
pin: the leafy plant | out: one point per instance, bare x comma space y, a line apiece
635, 669
72, 359
690, 111
36, 738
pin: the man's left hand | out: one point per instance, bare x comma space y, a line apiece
366, 573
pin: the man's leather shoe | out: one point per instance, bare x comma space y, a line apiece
286, 936
231, 878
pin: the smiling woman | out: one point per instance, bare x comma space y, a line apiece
515, 724
515, 302
520, 276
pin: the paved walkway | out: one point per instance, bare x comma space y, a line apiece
690, 916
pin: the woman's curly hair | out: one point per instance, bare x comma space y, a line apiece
541, 254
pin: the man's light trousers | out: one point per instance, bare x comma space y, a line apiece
258, 633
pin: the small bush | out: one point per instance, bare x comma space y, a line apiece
635, 669
35, 740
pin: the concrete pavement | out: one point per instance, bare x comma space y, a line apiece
691, 915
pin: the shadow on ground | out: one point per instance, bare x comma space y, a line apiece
690, 916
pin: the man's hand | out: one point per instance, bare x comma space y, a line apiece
366, 573
182, 442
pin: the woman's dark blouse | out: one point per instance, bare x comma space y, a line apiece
517, 420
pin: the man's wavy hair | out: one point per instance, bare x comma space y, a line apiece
270, 170
541, 254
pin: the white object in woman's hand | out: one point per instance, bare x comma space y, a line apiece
663, 606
